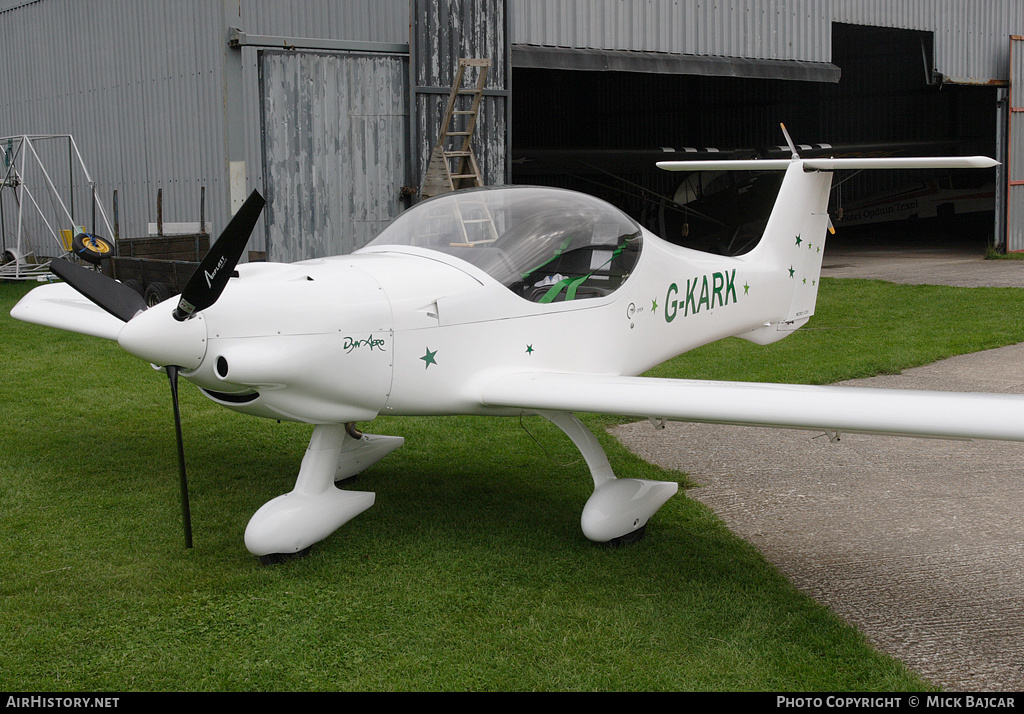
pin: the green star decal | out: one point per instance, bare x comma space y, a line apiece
746, 288
798, 241
429, 358
529, 349
791, 271
654, 305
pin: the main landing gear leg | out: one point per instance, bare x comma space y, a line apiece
314, 509
618, 510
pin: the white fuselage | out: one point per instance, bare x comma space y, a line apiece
407, 331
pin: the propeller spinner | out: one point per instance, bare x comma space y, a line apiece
168, 343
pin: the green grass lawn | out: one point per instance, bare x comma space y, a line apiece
469, 573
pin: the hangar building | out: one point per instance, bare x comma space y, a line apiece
331, 107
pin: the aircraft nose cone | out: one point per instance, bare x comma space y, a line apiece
155, 336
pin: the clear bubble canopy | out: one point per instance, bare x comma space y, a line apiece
546, 244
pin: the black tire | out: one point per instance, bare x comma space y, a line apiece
135, 285
629, 538
156, 293
278, 558
92, 248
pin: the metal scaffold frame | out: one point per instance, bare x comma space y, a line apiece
20, 159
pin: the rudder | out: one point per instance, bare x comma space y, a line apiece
794, 237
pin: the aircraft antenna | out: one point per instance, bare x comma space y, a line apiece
792, 146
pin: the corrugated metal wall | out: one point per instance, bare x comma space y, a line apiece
760, 29
363, 20
971, 38
1015, 152
141, 87
971, 44
137, 85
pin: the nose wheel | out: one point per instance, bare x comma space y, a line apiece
288, 525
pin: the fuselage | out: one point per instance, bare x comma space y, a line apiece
472, 286
399, 330
462, 290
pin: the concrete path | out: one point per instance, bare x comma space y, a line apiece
917, 542
923, 265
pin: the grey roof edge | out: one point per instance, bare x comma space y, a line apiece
597, 60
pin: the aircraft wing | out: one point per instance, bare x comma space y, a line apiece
61, 306
959, 415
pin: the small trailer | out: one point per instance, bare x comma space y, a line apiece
156, 266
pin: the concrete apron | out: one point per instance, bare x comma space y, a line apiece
919, 543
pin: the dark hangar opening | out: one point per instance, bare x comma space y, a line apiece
601, 132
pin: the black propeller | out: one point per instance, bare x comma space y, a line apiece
202, 290
208, 281
119, 300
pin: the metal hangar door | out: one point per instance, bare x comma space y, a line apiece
334, 134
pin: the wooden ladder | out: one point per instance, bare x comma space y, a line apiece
441, 177
474, 219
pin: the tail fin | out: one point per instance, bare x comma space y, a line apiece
793, 241
794, 238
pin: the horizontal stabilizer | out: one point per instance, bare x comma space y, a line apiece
902, 162
895, 162
727, 165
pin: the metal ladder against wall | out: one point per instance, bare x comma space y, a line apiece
458, 123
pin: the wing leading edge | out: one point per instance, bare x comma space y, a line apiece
954, 415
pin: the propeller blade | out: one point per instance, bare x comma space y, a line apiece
119, 300
186, 515
209, 279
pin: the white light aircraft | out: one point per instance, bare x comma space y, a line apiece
501, 301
